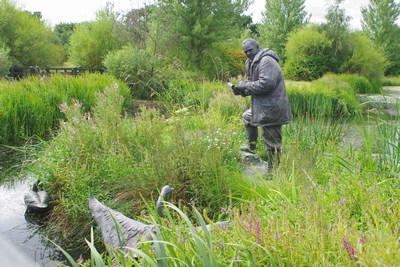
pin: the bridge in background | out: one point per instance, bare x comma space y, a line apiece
20, 72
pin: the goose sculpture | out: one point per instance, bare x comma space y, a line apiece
117, 230
37, 201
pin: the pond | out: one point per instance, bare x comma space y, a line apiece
22, 230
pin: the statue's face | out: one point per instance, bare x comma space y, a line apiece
251, 52
250, 48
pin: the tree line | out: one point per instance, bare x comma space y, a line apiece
203, 39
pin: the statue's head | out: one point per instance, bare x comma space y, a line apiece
166, 192
250, 48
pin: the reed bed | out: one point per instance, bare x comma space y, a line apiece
30, 107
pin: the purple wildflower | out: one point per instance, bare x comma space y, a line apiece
251, 218
258, 232
276, 236
349, 248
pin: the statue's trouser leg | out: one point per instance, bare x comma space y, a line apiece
251, 131
272, 139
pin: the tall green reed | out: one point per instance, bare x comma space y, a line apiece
29, 107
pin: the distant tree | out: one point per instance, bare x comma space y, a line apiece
365, 59
280, 18
190, 27
379, 21
90, 42
137, 24
63, 32
5, 61
307, 54
337, 30
30, 41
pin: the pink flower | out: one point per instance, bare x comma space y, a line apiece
258, 232
349, 248
276, 236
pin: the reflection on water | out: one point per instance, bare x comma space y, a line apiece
22, 229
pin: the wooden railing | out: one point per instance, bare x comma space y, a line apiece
20, 72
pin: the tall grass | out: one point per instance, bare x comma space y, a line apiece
118, 158
329, 96
29, 107
391, 81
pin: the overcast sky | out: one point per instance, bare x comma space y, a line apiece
57, 11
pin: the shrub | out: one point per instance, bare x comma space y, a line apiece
223, 62
307, 53
140, 69
366, 59
90, 42
5, 61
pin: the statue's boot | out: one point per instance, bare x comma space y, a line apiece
274, 157
252, 135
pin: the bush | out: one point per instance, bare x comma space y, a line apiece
137, 67
91, 42
5, 61
307, 53
224, 62
366, 59
31, 42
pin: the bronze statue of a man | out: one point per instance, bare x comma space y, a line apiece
270, 108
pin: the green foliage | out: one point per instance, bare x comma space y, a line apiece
391, 81
330, 96
359, 84
307, 51
91, 42
29, 107
5, 61
191, 28
223, 62
379, 20
137, 23
365, 59
281, 17
63, 33
327, 204
119, 157
143, 71
337, 31
31, 42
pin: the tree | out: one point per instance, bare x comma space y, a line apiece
379, 21
63, 32
365, 59
30, 41
307, 54
191, 27
5, 61
280, 18
337, 30
90, 42
137, 24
